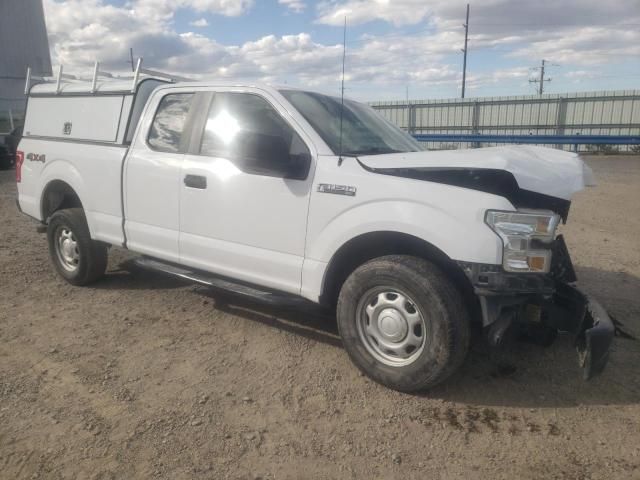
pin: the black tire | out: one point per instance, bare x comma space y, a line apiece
92, 256
446, 321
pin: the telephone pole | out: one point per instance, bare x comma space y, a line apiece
464, 50
540, 81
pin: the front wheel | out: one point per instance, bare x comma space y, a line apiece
77, 258
403, 322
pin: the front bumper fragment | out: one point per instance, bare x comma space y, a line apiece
572, 311
594, 341
546, 305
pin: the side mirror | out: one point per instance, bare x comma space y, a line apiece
269, 154
299, 166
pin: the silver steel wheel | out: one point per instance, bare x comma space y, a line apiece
67, 249
391, 326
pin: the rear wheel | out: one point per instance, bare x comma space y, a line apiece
77, 258
403, 322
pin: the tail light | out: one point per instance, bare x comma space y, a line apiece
19, 162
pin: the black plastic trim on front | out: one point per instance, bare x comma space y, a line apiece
489, 279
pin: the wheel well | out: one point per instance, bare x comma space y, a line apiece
377, 244
58, 195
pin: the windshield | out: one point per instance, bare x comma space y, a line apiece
364, 131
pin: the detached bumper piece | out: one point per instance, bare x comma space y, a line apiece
543, 305
594, 342
581, 315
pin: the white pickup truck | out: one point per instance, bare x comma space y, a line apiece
278, 192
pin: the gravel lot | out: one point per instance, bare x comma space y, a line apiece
141, 376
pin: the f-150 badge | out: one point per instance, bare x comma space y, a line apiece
348, 190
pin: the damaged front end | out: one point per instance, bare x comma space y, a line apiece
534, 286
542, 305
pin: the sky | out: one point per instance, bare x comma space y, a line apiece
393, 47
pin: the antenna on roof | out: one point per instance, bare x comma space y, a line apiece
344, 54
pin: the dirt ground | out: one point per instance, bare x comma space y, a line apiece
141, 376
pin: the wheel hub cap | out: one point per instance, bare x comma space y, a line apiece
390, 326
67, 249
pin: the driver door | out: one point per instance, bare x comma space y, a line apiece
242, 214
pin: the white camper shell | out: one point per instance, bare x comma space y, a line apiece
104, 109
109, 114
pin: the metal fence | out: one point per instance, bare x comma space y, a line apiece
614, 113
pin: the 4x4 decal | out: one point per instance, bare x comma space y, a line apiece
36, 157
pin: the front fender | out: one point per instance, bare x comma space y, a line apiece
467, 238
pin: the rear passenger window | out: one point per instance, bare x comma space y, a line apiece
168, 124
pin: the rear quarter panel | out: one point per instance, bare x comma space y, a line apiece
92, 170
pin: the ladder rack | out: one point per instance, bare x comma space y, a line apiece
97, 72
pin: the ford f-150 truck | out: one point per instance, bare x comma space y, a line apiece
278, 192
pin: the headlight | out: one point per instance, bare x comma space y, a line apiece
526, 237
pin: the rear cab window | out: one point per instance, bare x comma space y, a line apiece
168, 129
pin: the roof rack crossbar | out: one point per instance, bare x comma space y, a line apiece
94, 80
168, 76
29, 80
136, 75
98, 73
60, 76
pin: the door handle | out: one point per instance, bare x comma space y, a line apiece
195, 181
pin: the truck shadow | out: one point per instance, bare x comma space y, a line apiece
516, 374
139, 280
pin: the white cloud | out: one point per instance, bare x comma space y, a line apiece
584, 46
581, 31
201, 22
398, 12
82, 31
164, 9
297, 6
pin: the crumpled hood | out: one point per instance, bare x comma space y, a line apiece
537, 169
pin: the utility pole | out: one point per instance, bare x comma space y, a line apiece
540, 81
131, 59
464, 50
